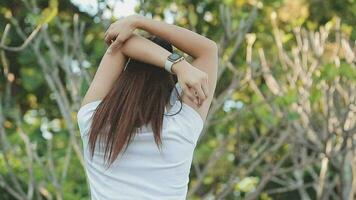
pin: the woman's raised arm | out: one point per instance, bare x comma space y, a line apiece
144, 50
203, 50
187, 41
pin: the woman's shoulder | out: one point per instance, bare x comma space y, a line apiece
85, 113
88, 108
185, 121
187, 115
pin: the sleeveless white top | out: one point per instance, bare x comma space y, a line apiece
143, 172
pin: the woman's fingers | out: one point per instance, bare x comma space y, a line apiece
108, 38
117, 43
111, 35
199, 92
205, 89
118, 37
189, 92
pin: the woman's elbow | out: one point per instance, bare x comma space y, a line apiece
208, 48
213, 47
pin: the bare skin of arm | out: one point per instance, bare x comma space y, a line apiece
139, 48
203, 50
199, 76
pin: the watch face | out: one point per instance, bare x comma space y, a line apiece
174, 56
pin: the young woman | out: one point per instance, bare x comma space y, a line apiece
144, 110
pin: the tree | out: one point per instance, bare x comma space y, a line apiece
282, 123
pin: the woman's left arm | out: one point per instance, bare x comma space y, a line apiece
110, 68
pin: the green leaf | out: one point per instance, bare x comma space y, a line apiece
329, 72
83, 87
315, 95
48, 13
293, 116
289, 98
31, 78
192, 16
247, 184
348, 71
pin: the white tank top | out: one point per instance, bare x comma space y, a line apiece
143, 172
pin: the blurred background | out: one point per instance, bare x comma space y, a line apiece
282, 124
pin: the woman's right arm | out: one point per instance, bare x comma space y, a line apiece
203, 50
187, 41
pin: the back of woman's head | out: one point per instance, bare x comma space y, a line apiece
138, 98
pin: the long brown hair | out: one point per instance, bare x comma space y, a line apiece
138, 98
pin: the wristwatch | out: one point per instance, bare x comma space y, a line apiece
171, 60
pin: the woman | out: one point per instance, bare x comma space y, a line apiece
139, 127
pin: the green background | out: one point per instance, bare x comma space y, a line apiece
282, 124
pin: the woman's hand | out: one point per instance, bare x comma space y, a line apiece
119, 31
193, 81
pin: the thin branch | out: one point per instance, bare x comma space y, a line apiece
24, 44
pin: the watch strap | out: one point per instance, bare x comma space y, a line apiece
168, 66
